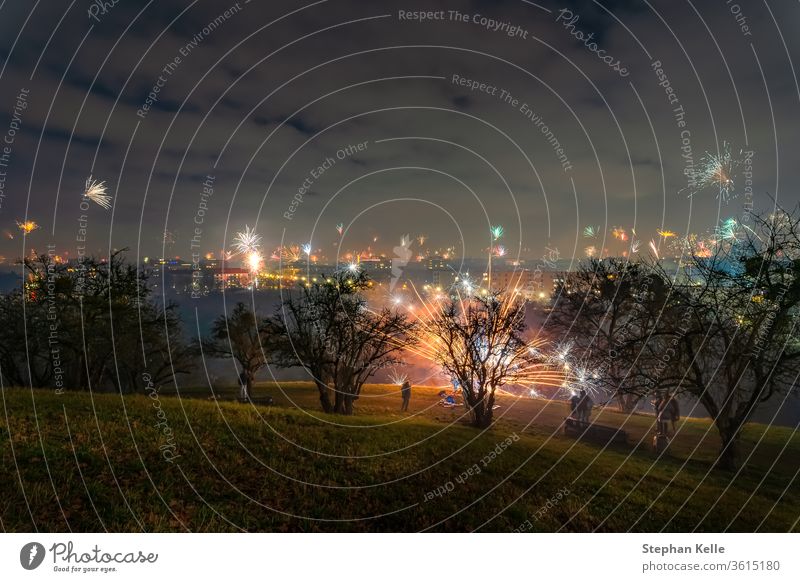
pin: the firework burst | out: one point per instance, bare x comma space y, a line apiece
27, 227
590, 231
666, 233
397, 378
500, 251
619, 233
497, 232
247, 241
340, 228
96, 192
590, 251
718, 171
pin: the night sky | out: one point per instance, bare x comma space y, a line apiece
486, 113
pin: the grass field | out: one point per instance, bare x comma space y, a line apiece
83, 462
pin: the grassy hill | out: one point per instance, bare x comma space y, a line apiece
83, 462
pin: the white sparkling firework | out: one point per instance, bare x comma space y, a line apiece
397, 378
718, 171
635, 246
307, 249
247, 242
497, 232
500, 251
96, 192
590, 251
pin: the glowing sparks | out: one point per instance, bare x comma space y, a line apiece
397, 378
353, 267
497, 232
421, 239
619, 233
590, 231
247, 242
96, 192
254, 261
27, 227
340, 228
666, 233
728, 229
654, 249
717, 170
500, 251
307, 249
590, 251
635, 246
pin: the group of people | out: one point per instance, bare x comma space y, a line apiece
581, 405
667, 413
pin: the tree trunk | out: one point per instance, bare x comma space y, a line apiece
348, 404
247, 387
729, 431
627, 402
481, 413
324, 396
338, 401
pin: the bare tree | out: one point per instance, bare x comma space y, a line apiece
243, 337
478, 341
594, 308
726, 331
328, 329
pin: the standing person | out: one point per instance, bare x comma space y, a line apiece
673, 412
405, 391
573, 406
585, 405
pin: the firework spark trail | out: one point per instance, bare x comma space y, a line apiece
590, 231
717, 170
654, 249
247, 241
96, 192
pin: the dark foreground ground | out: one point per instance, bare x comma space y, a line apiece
85, 462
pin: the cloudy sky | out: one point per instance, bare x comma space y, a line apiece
273, 98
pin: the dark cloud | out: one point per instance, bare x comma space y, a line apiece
259, 98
